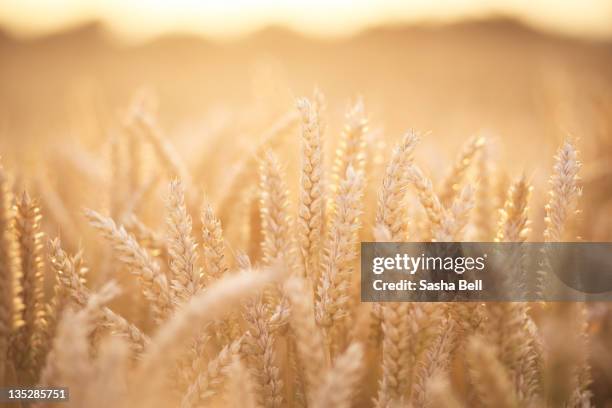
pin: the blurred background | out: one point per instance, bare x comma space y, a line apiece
218, 74
526, 74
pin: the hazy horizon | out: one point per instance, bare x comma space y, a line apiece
143, 21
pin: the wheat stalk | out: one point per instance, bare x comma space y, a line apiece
146, 124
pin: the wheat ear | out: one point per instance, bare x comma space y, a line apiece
489, 377
339, 385
240, 388
312, 198
168, 342
340, 253
391, 211
427, 197
350, 151
564, 192
566, 372
455, 218
108, 387
260, 353
309, 339
452, 183
395, 354
562, 204
274, 210
68, 363
154, 283
433, 361
215, 264
485, 197
29, 237
391, 218
508, 325
514, 217
186, 276
11, 305
73, 283
145, 236
440, 393
246, 172
210, 380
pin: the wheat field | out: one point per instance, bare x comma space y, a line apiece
147, 270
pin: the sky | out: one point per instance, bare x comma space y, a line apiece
140, 20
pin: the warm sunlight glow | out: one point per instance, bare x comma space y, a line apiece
143, 19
